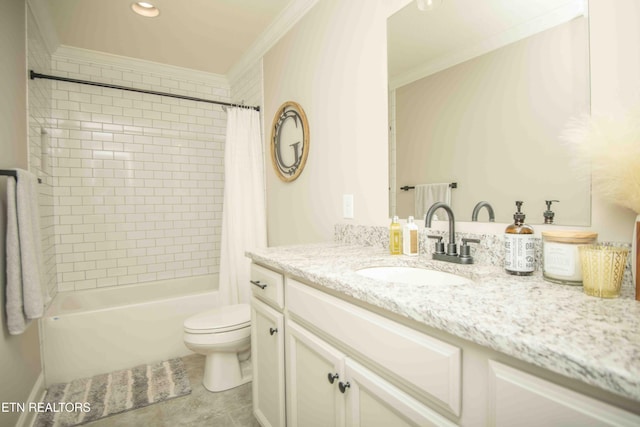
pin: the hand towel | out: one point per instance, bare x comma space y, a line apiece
428, 194
24, 253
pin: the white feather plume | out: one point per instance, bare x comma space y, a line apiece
610, 147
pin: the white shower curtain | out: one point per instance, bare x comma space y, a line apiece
244, 210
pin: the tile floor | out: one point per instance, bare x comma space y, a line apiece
231, 408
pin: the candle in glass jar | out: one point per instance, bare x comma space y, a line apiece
560, 256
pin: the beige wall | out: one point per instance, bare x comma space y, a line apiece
333, 63
615, 83
19, 355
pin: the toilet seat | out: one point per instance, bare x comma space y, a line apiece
220, 319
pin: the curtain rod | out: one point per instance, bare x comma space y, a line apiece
34, 75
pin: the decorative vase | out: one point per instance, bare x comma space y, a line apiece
635, 260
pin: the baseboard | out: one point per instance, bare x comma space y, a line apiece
27, 418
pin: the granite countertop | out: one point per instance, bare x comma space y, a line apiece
557, 327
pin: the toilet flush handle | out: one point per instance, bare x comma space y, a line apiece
258, 284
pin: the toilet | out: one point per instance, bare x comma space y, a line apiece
223, 335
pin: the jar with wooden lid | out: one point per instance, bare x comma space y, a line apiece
560, 255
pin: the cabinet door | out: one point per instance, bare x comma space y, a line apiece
373, 402
429, 366
267, 348
518, 398
314, 370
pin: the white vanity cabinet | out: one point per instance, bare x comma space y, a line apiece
329, 342
428, 367
267, 347
320, 360
325, 387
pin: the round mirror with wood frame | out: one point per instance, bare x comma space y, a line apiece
289, 141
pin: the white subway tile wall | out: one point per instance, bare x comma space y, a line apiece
40, 135
138, 179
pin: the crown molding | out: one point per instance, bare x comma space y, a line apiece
556, 17
278, 28
141, 65
41, 16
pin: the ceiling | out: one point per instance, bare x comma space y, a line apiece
213, 35
204, 35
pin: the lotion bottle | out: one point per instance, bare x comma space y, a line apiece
519, 245
410, 238
395, 237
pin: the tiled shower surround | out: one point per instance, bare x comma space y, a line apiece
137, 179
39, 101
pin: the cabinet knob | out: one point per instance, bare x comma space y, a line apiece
258, 284
343, 386
332, 377
273, 331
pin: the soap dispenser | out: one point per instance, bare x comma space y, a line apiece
549, 214
395, 237
410, 238
519, 245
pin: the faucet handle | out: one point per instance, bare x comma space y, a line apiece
439, 244
465, 250
467, 240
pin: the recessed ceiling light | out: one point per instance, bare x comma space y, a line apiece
428, 5
146, 9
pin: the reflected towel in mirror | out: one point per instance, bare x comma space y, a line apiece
428, 194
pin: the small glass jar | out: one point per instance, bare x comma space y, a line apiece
560, 255
603, 267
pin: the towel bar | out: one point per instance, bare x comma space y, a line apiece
9, 172
407, 187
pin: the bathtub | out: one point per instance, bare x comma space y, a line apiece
95, 331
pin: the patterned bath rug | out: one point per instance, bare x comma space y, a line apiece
89, 399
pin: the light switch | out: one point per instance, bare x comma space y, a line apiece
347, 206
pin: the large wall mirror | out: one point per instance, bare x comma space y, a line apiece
480, 92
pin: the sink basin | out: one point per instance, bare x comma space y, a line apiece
412, 276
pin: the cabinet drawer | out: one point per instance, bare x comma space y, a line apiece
267, 285
428, 366
519, 398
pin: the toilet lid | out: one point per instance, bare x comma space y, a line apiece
224, 318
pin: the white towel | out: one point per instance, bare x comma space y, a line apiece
428, 194
24, 253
